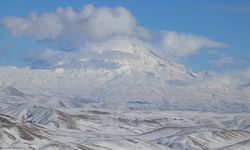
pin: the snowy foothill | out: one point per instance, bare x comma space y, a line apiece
34, 126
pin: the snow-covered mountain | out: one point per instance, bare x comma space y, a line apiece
65, 101
121, 73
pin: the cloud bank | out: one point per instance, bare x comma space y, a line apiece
94, 24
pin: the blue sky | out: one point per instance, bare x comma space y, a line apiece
226, 21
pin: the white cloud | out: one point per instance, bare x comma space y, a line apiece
225, 60
92, 49
47, 26
88, 23
43, 54
181, 45
6, 48
241, 61
102, 23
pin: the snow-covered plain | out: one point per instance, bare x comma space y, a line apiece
124, 97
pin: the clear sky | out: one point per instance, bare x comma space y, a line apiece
225, 21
